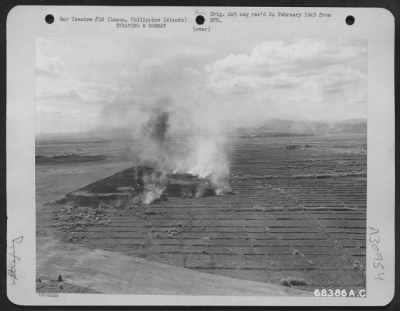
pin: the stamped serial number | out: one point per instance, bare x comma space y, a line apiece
329, 292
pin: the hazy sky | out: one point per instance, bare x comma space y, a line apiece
89, 82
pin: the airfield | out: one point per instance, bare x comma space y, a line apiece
295, 220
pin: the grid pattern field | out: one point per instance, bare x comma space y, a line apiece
297, 217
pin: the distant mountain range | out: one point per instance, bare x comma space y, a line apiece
276, 127
272, 128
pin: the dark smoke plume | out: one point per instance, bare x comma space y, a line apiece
157, 126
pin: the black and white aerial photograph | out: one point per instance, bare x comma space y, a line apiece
200, 165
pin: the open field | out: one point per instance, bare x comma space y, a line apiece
297, 215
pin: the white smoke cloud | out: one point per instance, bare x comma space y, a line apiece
201, 154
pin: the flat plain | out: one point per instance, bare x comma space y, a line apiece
296, 217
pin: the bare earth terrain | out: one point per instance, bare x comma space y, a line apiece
296, 219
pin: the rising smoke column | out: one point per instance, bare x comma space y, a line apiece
154, 153
157, 126
198, 153
153, 133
